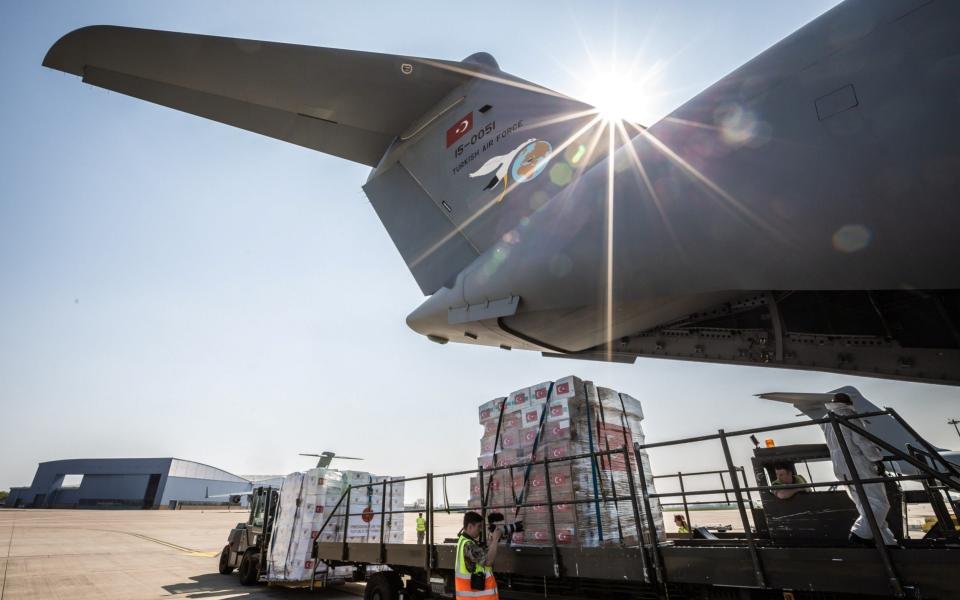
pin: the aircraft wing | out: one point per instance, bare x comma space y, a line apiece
345, 103
247, 493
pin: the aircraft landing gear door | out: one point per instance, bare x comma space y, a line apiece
420, 227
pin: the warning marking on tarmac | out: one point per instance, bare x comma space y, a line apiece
184, 549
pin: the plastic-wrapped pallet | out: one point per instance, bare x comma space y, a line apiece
305, 501
618, 418
578, 416
283, 541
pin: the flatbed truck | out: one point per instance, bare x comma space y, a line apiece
800, 553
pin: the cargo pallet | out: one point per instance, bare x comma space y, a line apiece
752, 563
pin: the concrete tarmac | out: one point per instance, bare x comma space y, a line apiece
125, 555
129, 554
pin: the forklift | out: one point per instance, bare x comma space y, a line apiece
247, 544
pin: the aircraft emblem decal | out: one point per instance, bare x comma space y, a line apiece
524, 162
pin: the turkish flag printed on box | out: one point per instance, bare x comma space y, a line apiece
458, 129
559, 410
487, 444
511, 420
613, 437
558, 431
529, 437
553, 450
540, 392
565, 535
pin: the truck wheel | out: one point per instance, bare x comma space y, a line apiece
382, 586
225, 568
249, 570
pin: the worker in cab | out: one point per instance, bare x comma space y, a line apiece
473, 574
421, 528
787, 475
681, 523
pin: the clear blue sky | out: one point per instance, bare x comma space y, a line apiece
173, 286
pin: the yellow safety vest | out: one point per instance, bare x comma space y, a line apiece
462, 576
421, 525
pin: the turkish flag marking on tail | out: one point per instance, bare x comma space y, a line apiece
459, 128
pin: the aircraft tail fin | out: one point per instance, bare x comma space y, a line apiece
468, 172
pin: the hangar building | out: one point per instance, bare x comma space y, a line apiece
126, 483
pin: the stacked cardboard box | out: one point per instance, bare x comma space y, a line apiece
372, 497
306, 502
579, 416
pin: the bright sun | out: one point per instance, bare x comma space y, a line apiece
622, 96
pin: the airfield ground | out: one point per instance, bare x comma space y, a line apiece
126, 555
130, 554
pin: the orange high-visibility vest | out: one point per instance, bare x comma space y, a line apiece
462, 576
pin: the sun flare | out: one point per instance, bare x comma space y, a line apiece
620, 95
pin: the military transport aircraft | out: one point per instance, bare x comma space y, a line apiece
802, 212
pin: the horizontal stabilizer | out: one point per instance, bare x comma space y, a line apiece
341, 102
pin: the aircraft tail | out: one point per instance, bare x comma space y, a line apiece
456, 146
466, 174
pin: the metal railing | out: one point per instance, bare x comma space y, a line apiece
686, 504
930, 465
947, 478
550, 502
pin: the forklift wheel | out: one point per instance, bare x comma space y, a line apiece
225, 568
382, 586
249, 569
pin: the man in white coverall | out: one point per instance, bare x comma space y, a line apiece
865, 455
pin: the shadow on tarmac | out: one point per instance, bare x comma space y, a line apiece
215, 585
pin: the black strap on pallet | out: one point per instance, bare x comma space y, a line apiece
533, 454
594, 468
607, 458
485, 494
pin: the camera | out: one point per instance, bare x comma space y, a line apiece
495, 520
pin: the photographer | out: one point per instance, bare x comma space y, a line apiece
474, 572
